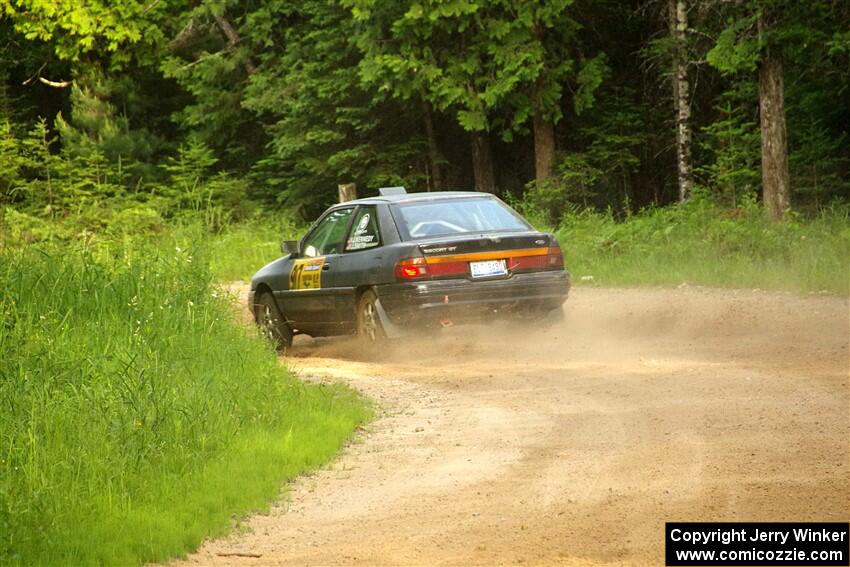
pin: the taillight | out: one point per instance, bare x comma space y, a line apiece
412, 269
555, 258
543, 259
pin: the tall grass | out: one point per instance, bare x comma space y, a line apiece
136, 417
699, 243
240, 249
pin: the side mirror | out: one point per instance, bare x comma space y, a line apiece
292, 247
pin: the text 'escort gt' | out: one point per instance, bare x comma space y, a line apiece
396, 264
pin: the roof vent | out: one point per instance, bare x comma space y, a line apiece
388, 191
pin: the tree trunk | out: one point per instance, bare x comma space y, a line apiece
678, 18
482, 163
544, 146
775, 180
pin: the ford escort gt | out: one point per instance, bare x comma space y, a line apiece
388, 266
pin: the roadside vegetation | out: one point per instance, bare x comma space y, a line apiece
240, 249
137, 416
701, 243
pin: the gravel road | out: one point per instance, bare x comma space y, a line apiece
574, 444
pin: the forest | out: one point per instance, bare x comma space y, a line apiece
135, 111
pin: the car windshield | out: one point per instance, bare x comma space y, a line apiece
455, 217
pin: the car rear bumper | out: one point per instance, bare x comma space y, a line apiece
463, 300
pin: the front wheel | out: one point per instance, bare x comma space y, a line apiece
369, 326
271, 322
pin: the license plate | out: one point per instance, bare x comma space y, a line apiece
488, 268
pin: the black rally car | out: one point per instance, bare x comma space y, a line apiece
394, 264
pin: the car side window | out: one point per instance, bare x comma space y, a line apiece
364, 230
327, 238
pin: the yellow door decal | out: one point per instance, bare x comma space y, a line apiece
306, 273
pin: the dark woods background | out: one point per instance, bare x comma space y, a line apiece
140, 110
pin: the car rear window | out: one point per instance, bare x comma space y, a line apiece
456, 217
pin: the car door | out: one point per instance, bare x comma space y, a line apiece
359, 264
309, 301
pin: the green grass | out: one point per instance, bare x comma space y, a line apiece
242, 249
701, 244
136, 416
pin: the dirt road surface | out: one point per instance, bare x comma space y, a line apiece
573, 445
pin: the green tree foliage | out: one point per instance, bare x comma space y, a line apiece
605, 171
323, 127
90, 177
12, 174
214, 72
97, 126
118, 31
810, 36
40, 167
277, 94
280, 102
732, 141
491, 62
195, 187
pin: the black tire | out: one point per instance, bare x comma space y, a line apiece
271, 322
369, 327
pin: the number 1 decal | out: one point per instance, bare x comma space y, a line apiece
306, 273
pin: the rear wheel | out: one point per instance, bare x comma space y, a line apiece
271, 321
369, 326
